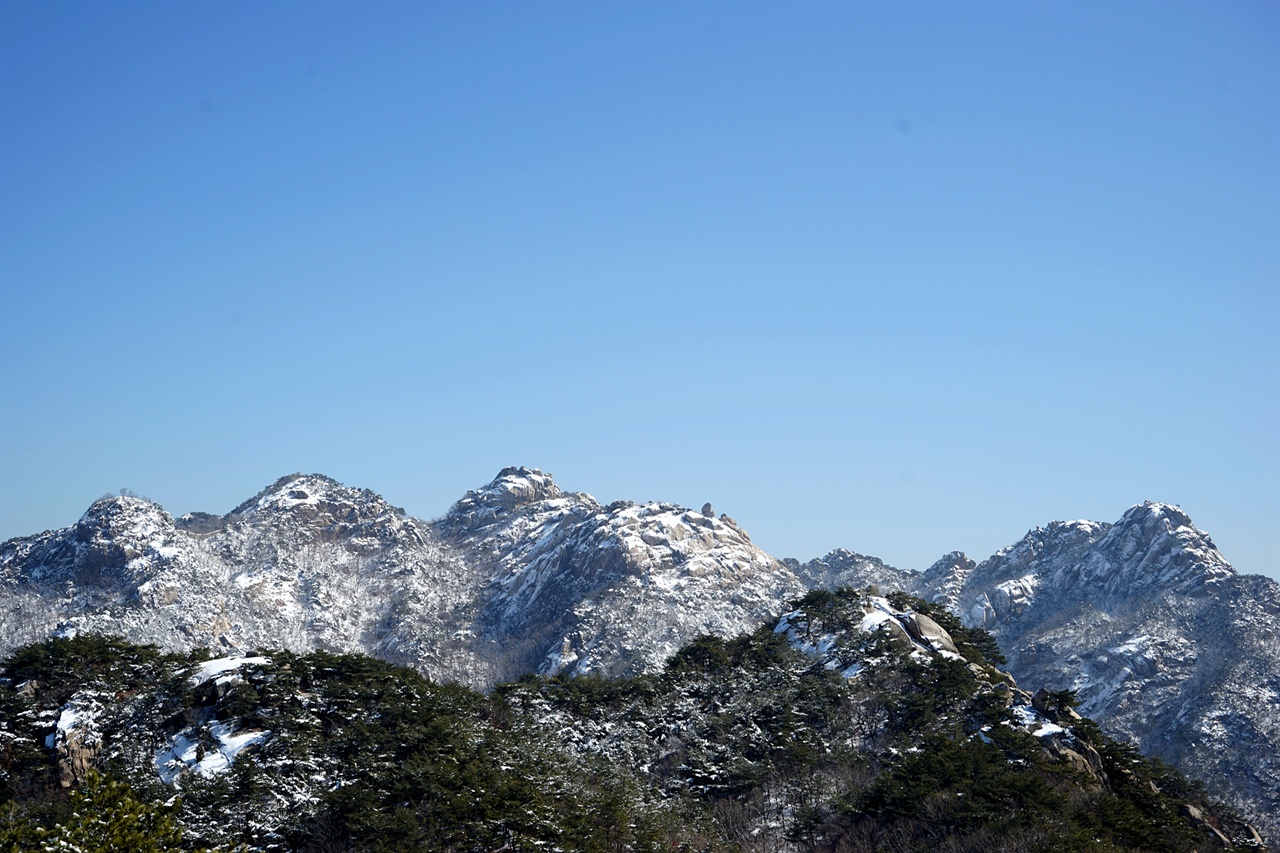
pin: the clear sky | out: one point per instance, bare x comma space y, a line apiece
901, 278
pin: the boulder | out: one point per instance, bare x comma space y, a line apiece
75, 751
209, 692
1063, 715
930, 633
1198, 819
898, 633
1081, 756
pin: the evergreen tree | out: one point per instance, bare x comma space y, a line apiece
105, 817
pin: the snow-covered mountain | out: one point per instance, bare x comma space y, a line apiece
576, 587
305, 564
1164, 643
845, 568
851, 719
519, 576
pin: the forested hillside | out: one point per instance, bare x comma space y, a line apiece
853, 723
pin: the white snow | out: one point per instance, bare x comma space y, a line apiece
80, 712
183, 754
874, 620
1135, 646
1031, 719
219, 666
66, 722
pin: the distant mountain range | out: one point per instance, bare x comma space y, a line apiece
1162, 641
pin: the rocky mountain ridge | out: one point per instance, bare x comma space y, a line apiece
1161, 640
518, 576
1144, 619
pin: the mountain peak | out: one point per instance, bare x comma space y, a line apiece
312, 500
1154, 512
949, 564
111, 506
513, 488
289, 491
842, 567
1157, 543
517, 486
947, 576
121, 517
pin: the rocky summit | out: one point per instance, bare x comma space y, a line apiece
1155, 632
1162, 642
1158, 636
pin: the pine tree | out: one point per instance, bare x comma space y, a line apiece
106, 817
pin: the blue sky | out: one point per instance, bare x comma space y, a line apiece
901, 278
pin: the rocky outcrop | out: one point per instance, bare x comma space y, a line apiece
1081, 755
512, 489
75, 740
928, 633
75, 753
